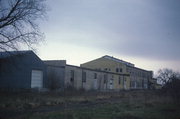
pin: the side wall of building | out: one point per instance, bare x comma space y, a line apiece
106, 65
139, 78
89, 79
15, 72
55, 77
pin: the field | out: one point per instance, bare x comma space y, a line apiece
88, 105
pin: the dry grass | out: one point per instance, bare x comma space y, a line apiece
120, 105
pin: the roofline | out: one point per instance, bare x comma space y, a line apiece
91, 61
119, 60
13, 53
140, 69
53, 60
17, 51
55, 66
97, 70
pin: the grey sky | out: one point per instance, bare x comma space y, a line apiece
148, 29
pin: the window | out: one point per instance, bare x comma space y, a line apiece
83, 76
127, 70
95, 76
117, 69
105, 78
119, 80
124, 80
72, 76
121, 70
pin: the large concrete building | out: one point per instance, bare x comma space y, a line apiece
24, 69
139, 78
104, 73
87, 78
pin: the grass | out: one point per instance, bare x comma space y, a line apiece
117, 105
115, 111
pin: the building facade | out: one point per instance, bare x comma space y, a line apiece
55, 73
139, 78
89, 79
22, 70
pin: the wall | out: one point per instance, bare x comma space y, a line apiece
105, 65
55, 73
111, 66
139, 77
98, 82
15, 72
55, 77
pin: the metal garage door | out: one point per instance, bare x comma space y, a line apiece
36, 79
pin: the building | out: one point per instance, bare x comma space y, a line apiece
55, 74
107, 63
139, 78
154, 85
22, 70
88, 78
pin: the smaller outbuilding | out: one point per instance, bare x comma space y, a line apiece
22, 70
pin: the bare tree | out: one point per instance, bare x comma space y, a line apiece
165, 75
18, 23
171, 83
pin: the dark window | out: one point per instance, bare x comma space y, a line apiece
117, 69
105, 78
127, 70
72, 76
121, 70
83, 76
105, 69
119, 81
95, 76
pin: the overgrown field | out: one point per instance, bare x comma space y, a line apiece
88, 105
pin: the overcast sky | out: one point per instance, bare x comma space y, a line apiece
143, 32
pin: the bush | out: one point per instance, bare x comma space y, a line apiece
172, 88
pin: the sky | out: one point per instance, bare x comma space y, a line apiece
143, 32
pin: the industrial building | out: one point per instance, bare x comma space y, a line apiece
86, 78
139, 78
22, 70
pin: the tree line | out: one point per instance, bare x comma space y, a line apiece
170, 81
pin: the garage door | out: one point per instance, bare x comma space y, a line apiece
36, 79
